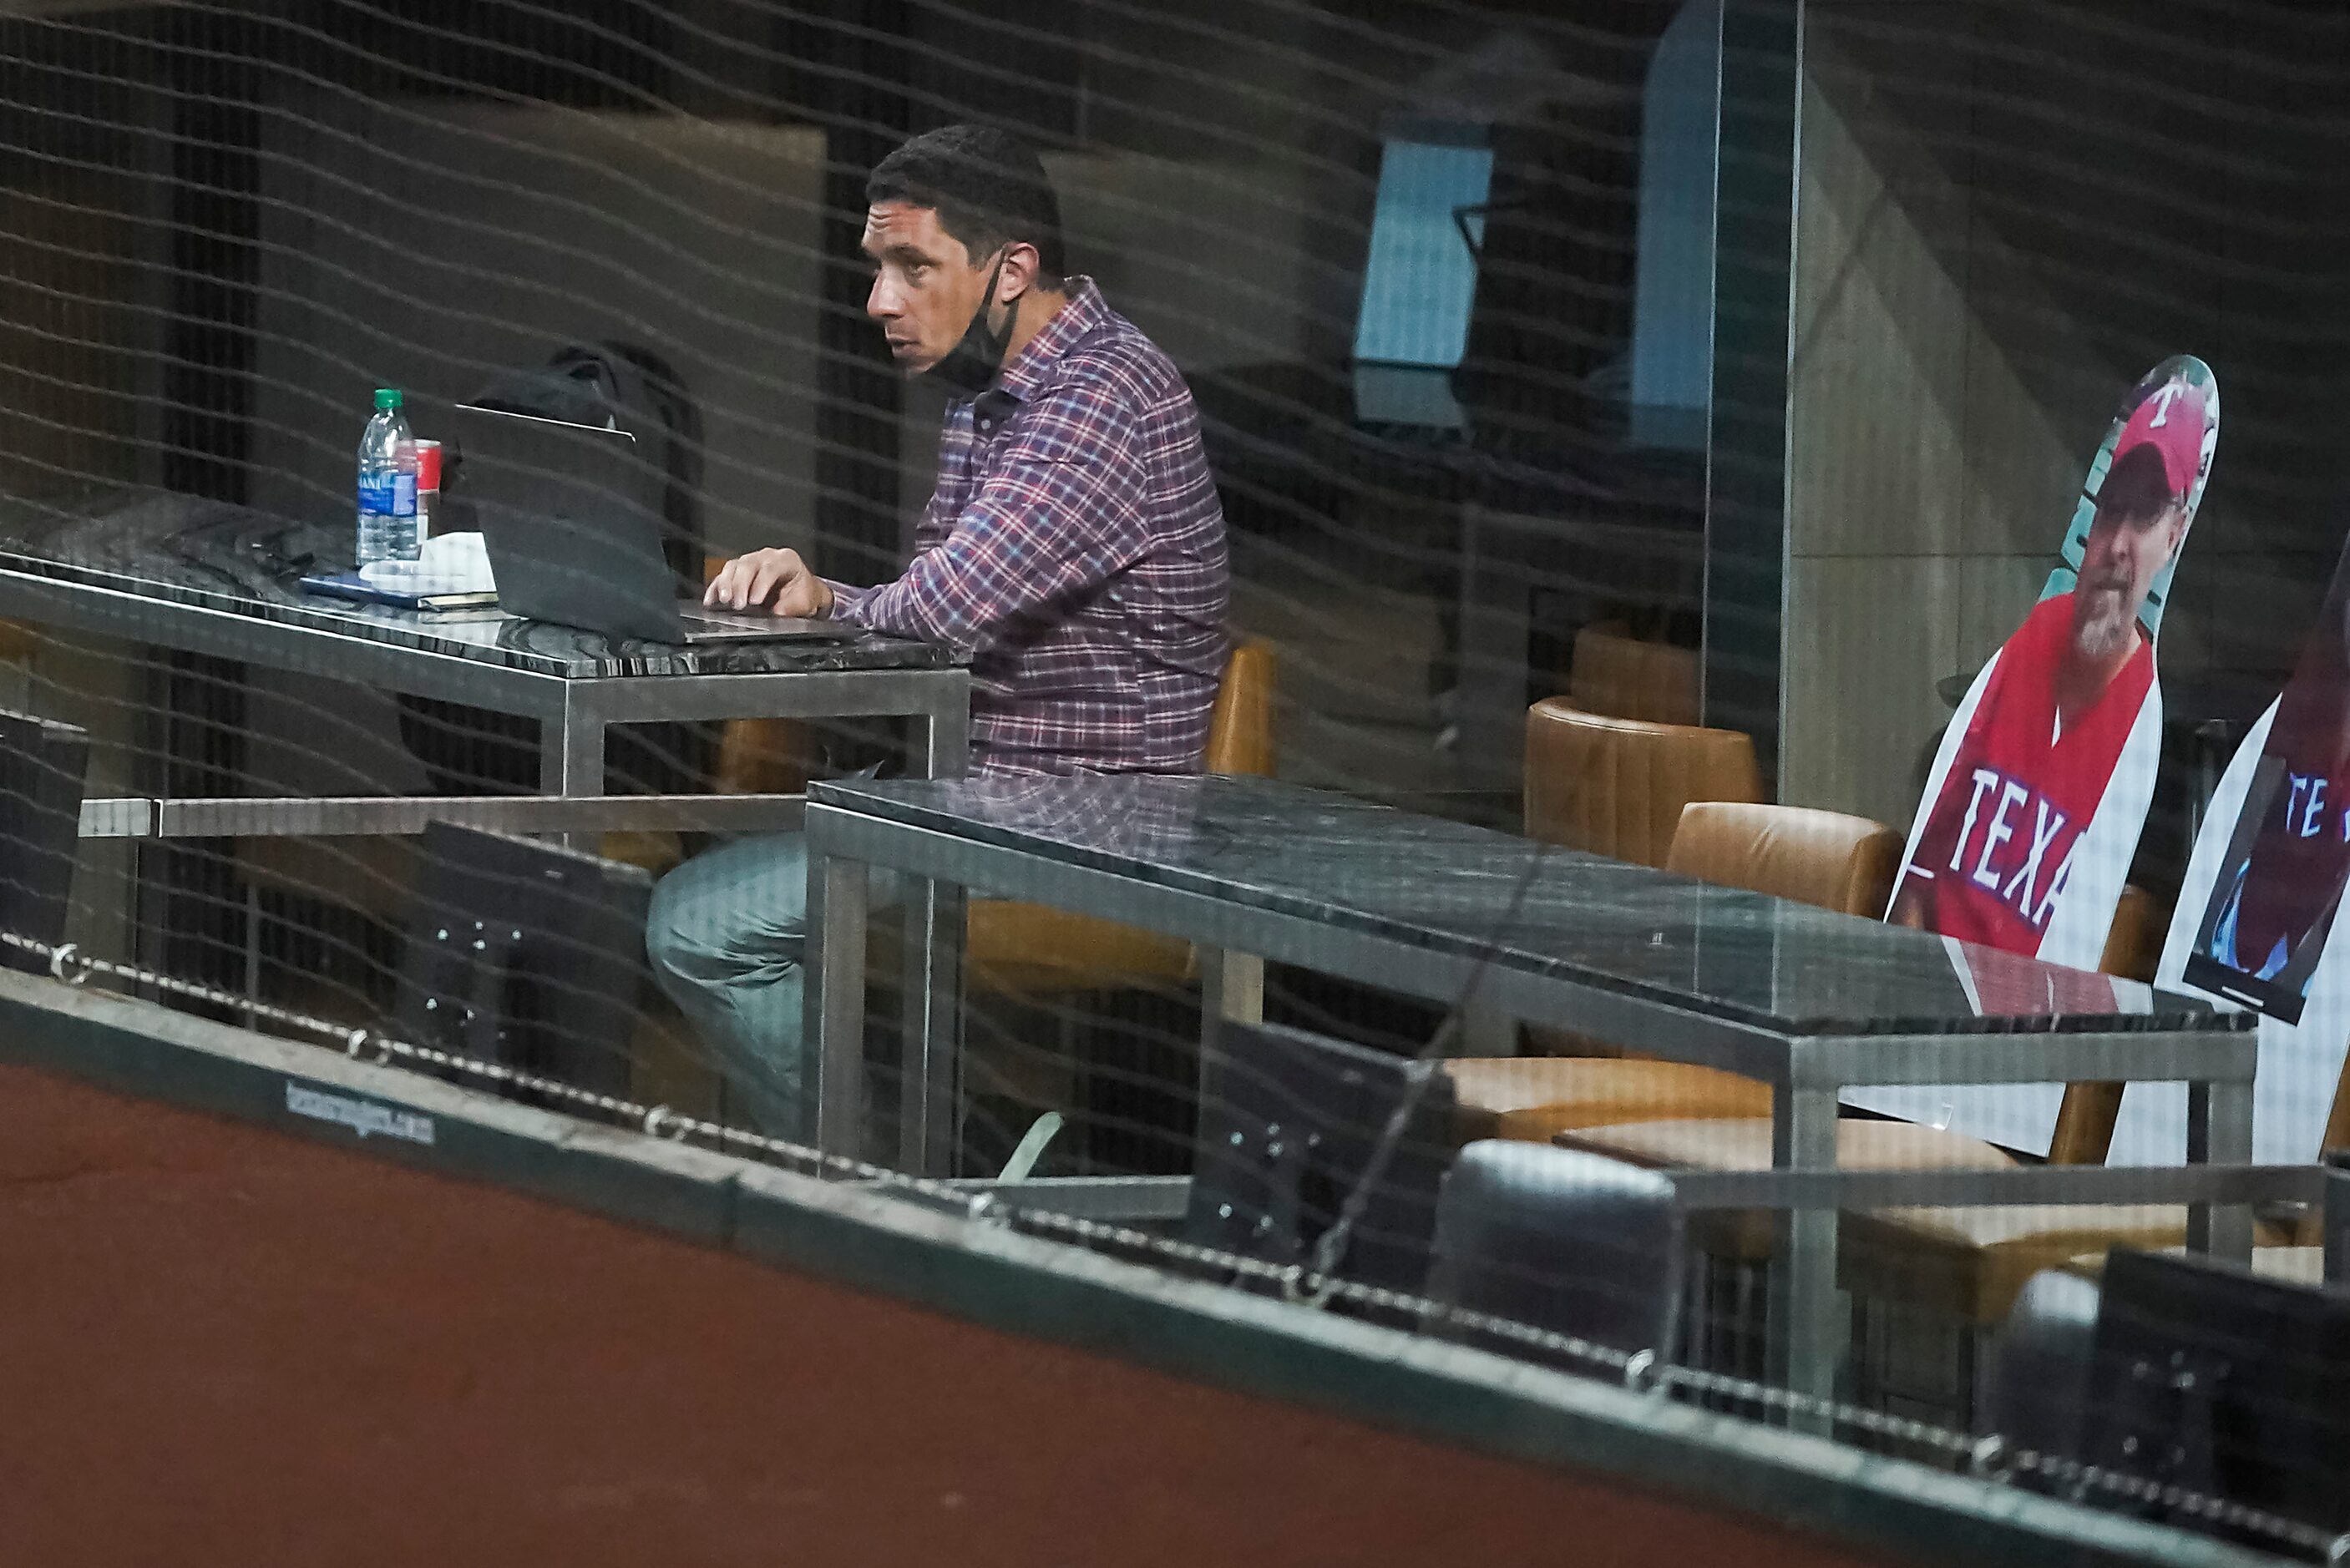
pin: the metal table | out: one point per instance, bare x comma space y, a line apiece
162, 570
1807, 1001
206, 578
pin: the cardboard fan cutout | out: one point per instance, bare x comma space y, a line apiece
2032, 812
2258, 924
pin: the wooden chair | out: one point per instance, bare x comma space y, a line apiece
1837, 862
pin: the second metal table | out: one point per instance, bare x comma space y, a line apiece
1805, 1000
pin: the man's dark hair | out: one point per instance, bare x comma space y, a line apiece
987, 186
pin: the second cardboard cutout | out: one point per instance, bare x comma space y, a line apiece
2031, 812
2259, 919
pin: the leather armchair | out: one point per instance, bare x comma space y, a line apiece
1031, 952
1620, 675
1617, 787
1824, 857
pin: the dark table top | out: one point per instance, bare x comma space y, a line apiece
1446, 886
214, 556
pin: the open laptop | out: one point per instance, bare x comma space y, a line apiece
571, 518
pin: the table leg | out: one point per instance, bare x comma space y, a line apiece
1808, 1333
251, 951
1486, 1031
571, 762
1496, 620
2210, 743
1232, 991
833, 998
2335, 1214
2220, 1132
929, 1122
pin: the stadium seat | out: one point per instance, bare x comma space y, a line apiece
2040, 1375
1559, 1241
1296, 1129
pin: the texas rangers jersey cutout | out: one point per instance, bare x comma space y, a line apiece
2032, 812
2258, 924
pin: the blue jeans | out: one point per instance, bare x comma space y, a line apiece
727, 934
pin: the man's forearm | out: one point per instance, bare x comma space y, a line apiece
897, 608
885, 607
846, 601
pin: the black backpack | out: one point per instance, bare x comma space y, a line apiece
624, 386
468, 751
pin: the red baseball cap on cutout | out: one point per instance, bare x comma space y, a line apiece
2170, 420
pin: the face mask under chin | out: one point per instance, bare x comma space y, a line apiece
971, 366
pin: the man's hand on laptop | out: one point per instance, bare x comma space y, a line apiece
777, 581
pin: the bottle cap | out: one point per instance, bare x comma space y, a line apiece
387, 398
427, 464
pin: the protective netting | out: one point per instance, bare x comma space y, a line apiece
1660, 450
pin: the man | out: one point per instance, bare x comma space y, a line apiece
2062, 699
1074, 543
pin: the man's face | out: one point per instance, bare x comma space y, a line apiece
2129, 540
926, 286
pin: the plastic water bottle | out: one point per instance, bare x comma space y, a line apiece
386, 484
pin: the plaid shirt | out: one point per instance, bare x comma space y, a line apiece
1075, 544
